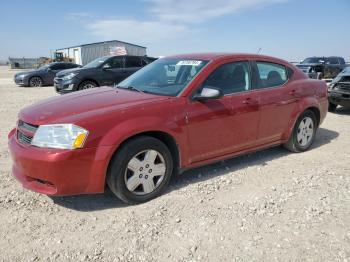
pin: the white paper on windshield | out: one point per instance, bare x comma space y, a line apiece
189, 62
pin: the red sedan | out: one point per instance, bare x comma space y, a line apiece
176, 113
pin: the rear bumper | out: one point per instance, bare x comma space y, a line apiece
59, 172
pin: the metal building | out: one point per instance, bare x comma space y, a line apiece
25, 63
83, 54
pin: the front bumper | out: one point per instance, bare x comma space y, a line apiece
22, 81
339, 98
59, 172
66, 86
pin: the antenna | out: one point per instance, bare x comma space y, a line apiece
259, 50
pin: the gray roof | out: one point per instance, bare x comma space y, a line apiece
103, 42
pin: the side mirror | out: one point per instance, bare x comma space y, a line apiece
208, 93
106, 66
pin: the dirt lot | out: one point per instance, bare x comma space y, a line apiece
268, 206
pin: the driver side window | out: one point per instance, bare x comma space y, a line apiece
230, 78
116, 62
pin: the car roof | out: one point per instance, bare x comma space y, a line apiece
324, 57
219, 56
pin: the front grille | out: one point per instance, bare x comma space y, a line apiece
344, 85
26, 126
24, 139
25, 132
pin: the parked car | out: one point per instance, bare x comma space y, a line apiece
44, 75
339, 90
104, 71
177, 113
322, 67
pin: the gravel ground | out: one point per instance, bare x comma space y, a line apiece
267, 206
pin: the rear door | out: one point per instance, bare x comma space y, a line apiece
277, 100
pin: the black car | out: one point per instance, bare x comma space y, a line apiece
322, 67
43, 75
339, 90
104, 71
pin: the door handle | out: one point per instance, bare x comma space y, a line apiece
249, 101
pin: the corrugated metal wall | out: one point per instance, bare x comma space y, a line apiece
25, 63
93, 51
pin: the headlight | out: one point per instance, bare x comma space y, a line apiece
63, 136
69, 76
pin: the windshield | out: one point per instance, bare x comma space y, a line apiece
97, 62
313, 60
165, 76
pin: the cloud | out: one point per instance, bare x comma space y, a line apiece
196, 11
169, 19
78, 16
134, 30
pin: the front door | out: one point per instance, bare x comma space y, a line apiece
113, 71
218, 127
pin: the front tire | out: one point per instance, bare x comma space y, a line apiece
141, 170
35, 81
303, 133
87, 85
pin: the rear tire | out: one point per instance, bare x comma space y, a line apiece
35, 81
141, 170
303, 133
332, 107
87, 85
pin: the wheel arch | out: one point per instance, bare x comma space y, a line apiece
39, 76
89, 79
299, 111
317, 113
164, 137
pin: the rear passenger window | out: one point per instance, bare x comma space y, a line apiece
58, 66
332, 61
230, 78
68, 66
270, 74
133, 62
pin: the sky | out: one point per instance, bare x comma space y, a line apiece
289, 29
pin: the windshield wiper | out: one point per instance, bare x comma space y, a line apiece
131, 88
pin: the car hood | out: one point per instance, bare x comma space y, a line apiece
79, 106
30, 72
308, 65
68, 71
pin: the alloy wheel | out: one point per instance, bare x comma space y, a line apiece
35, 82
305, 131
145, 172
87, 86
